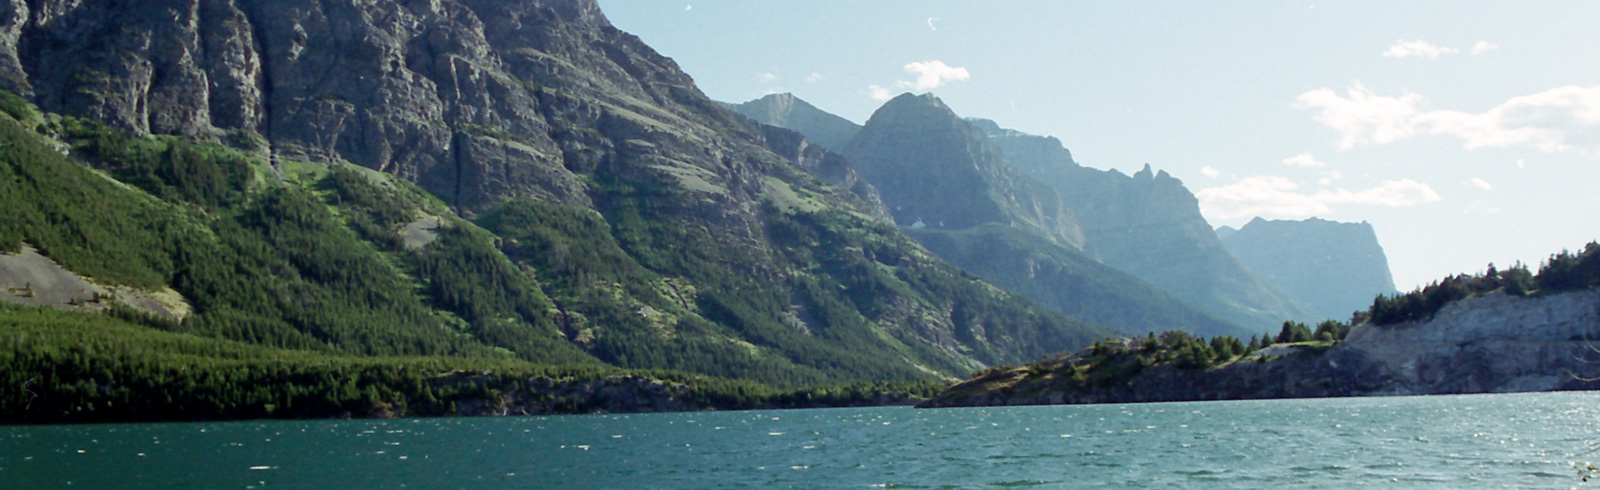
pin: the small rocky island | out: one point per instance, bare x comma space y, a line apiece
1489, 343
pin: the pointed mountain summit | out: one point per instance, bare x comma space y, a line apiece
787, 111
1149, 225
1335, 267
509, 180
937, 170
1023, 259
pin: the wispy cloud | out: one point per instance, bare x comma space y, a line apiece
1210, 172
813, 77
930, 75
1480, 183
1418, 48
1555, 120
1303, 160
765, 77
1281, 197
1484, 46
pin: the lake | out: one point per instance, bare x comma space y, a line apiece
1475, 441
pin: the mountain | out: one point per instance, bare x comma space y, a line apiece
1011, 253
1496, 332
505, 185
1336, 268
1066, 280
1149, 225
936, 170
787, 111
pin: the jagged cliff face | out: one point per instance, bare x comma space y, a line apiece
1149, 225
475, 100
787, 111
1336, 268
544, 104
936, 170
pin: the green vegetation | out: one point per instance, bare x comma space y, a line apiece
61, 366
1564, 271
324, 289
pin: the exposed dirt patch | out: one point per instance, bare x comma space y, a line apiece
31, 278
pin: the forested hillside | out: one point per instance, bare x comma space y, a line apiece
586, 211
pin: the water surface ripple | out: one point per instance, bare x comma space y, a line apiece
1478, 441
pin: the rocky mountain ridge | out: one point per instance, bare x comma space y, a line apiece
1149, 225
787, 111
583, 194
936, 170
1336, 268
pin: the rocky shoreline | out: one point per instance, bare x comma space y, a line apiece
1493, 343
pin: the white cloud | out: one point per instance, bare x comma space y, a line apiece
879, 93
1210, 172
1480, 183
765, 77
1522, 163
1419, 48
1281, 197
1483, 46
813, 77
1303, 160
930, 74
1555, 120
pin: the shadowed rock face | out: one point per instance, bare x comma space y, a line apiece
1149, 225
1336, 268
935, 169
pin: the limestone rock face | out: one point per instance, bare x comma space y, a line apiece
1486, 344
1336, 268
475, 100
1149, 225
1492, 343
484, 101
936, 170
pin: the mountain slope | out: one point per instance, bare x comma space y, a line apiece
1017, 256
576, 199
1067, 280
1336, 268
787, 111
1150, 226
936, 170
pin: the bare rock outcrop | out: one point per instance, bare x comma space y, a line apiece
1486, 344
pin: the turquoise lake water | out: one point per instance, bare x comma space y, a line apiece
1478, 441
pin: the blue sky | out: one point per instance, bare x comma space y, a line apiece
1465, 132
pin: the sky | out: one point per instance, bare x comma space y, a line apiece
1466, 132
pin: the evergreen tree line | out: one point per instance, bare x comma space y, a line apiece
1564, 271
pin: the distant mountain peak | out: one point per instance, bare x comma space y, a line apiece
788, 111
1335, 267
